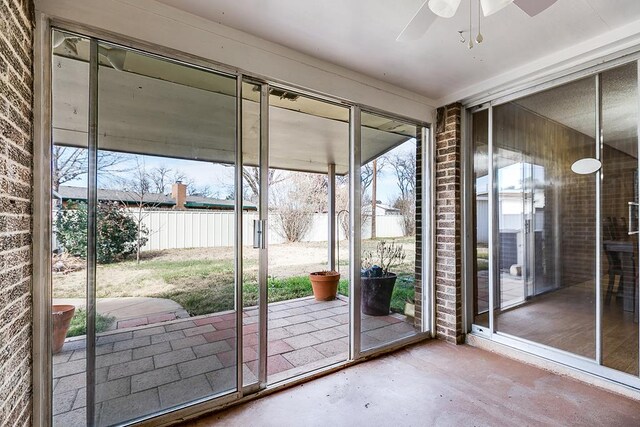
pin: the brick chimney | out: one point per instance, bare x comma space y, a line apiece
179, 194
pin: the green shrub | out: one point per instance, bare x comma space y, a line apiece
117, 231
78, 324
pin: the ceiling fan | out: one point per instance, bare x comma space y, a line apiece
432, 9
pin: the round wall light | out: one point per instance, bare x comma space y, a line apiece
586, 166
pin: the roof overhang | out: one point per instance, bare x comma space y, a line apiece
166, 116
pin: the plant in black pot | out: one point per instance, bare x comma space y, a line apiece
376, 281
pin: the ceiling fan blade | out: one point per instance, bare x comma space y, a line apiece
418, 25
489, 7
444, 8
534, 7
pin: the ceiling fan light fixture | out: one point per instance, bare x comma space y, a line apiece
489, 7
444, 8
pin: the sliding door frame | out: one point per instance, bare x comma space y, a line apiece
45, 413
42, 359
427, 151
593, 366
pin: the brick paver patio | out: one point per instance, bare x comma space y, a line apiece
147, 369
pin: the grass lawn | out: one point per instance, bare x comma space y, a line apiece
482, 261
202, 280
78, 325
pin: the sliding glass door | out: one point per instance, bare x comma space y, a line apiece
145, 223
561, 185
308, 255
391, 253
204, 227
546, 134
619, 214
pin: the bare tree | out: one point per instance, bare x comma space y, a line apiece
161, 178
294, 205
251, 181
201, 190
366, 176
408, 212
138, 186
69, 163
342, 205
404, 168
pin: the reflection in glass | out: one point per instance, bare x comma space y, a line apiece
619, 254
480, 135
250, 254
545, 217
70, 99
167, 278
165, 312
390, 284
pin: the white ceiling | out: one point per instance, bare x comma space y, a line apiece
361, 35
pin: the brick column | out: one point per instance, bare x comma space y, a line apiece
448, 234
16, 170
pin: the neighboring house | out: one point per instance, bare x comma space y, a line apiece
382, 209
178, 199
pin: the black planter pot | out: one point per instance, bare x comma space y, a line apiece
376, 294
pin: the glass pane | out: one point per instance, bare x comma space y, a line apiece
545, 217
389, 289
250, 254
307, 139
166, 315
480, 135
70, 99
619, 188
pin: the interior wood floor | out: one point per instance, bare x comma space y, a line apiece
565, 319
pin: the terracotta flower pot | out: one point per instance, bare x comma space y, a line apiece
376, 294
62, 315
325, 285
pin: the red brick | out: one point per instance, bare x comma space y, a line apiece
219, 335
138, 321
16, 162
448, 225
276, 364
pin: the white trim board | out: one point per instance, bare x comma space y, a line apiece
550, 365
162, 25
611, 45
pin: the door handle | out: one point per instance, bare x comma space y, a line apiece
258, 233
631, 218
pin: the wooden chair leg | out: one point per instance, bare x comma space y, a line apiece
612, 278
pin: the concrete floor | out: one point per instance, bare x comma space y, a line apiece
435, 384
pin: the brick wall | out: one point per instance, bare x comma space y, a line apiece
16, 99
448, 270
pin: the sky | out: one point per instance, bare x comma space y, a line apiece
220, 178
